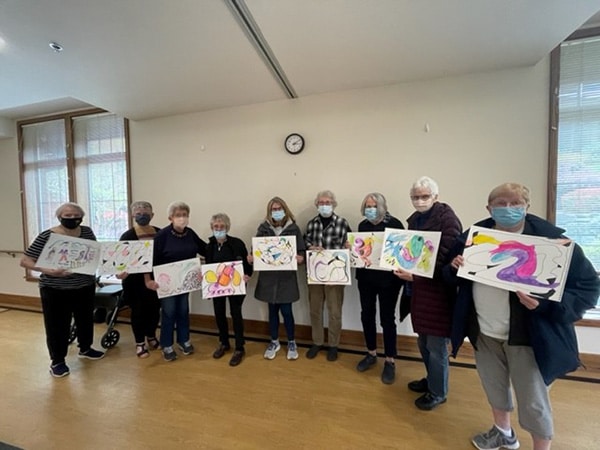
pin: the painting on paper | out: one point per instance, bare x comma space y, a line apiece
178, 277
126, 256
516, 262
223, 279
274, 253
365, 249
70, 253
328, 266
410, 250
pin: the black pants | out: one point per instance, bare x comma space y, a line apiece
388, 299
235, 307
145, 313
59, 306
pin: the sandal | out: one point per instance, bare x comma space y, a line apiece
141, 351
153, 343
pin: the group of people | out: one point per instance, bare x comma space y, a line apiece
522, 343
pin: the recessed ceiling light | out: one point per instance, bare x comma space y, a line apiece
56, 47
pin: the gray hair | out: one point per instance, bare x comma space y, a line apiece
177, 206
381, 204
62, 207
220, 217
140, 205
327, 194
426, 183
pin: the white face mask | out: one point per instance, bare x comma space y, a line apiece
180, 222
423, 205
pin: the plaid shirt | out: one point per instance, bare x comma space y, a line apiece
333, 236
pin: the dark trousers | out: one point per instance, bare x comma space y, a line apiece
288, 320
388, 299
145, 313
235, 308
59, 306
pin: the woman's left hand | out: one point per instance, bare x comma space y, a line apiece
246, 278
528, 301
403, 275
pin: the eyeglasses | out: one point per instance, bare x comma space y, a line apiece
414, 198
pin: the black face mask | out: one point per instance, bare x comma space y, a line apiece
142, 219
70, 222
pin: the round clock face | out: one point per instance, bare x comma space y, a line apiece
294, 143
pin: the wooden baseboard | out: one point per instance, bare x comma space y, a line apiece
352, 340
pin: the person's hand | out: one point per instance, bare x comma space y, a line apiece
403, 275
250, 259
246, 278
347, 244
60, 273
527, 301
299, 259
457, 262
122, 275
315, 248
152, 285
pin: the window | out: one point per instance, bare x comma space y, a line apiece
80, 157
574, 166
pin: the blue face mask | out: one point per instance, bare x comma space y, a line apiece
142, 219
219, 234
325, 210
371, 213
508, 216
278, 215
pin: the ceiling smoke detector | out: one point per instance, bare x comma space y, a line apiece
56, 47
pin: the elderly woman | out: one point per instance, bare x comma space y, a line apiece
378, 284
327, 231
144, 304
279, 288
522, 343
175, 242
225, 248
65, 294
431, 298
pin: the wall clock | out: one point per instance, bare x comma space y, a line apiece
294, 143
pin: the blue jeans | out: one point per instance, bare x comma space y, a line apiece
288, 320
175, 315
434, 350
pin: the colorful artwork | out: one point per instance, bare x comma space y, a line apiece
126, 256
516, 262
178, 277
70, 253
410, 250
223, 279
274, 253
365, 249
328, 266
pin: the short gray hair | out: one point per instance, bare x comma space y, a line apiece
60, 209
381, 204
327, 194
220, 217
140, 205
177, 206
426, 183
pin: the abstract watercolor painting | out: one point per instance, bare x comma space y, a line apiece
328, 266
178, 277
126, 256
365, 249
274, 253
516, 262
70, 253
410, 250
223, 279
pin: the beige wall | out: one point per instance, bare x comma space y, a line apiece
484, 129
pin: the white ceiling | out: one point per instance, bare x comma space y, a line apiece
152, 58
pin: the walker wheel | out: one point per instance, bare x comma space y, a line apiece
110, 339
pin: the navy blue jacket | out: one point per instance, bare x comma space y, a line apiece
549, 329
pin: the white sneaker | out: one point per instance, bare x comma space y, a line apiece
292, 352
272, 349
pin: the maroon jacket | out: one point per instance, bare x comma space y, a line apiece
432, 299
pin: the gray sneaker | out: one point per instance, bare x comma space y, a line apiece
292, 352
494, 439
272, 349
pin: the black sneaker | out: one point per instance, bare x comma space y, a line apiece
388, 376
90, 353
366, 363
313, 351
59, 370
428, 401
186, 349
169, 354
332, 354
420, 386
